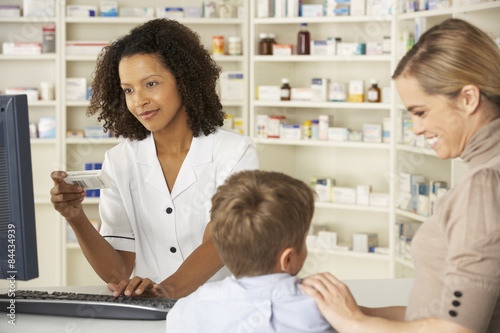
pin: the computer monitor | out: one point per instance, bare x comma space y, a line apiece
18, 251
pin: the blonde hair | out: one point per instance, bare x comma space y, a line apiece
451, 55
256, 215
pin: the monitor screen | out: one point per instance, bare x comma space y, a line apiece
18, 251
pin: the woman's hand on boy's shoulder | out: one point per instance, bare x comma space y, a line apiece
333, 299
139, 287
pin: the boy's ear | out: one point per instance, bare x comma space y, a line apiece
285, 259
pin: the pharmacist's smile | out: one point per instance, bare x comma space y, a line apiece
147, 115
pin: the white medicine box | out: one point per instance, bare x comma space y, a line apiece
37, 8
362, 242
232, 86
76, 89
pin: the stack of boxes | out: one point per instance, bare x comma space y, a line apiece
418, 196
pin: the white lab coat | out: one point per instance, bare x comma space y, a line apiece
140, 215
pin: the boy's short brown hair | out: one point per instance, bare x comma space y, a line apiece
256, 215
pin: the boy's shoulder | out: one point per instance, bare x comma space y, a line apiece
277, 299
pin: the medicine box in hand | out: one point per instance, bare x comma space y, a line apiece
88, 179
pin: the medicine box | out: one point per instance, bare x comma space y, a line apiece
136, 12
358, 7
232, 86
37, 8
312, 10
109, 8
407, 180
268, 93
386, 130
337, 92
192, 11
408, 135
423, 205
74, 134
323, 188
261, 125
81, 11
319, 47
323, 125
76, 89
355, 136
95, 132
274, 126
372, 133
363, 242
356, 91
331, 45
319, 89
301, 94
418, 189
47, 127
373, 48
351, 49
344, 195
340, 9
282, 49
209, 9
21, 48
49, 38
338, 134
265, 8
31, 93
363, 194
10, 11
290, 132
85, 47
169, 12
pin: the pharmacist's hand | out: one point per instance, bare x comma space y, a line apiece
67, 199
334, 300
138, 286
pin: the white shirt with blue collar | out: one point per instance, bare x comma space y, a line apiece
266, 303
139, 214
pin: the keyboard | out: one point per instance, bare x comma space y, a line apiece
87, 305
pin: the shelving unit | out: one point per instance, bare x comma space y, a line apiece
343, 161
422, 160
62, 262
29, 71
303, 159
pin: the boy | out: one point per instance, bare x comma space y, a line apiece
259, 225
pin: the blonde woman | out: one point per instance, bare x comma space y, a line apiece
450, 83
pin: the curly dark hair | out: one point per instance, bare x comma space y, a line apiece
181, 52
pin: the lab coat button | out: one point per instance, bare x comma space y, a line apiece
453, 313
458, 293
169, 210
173, 249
